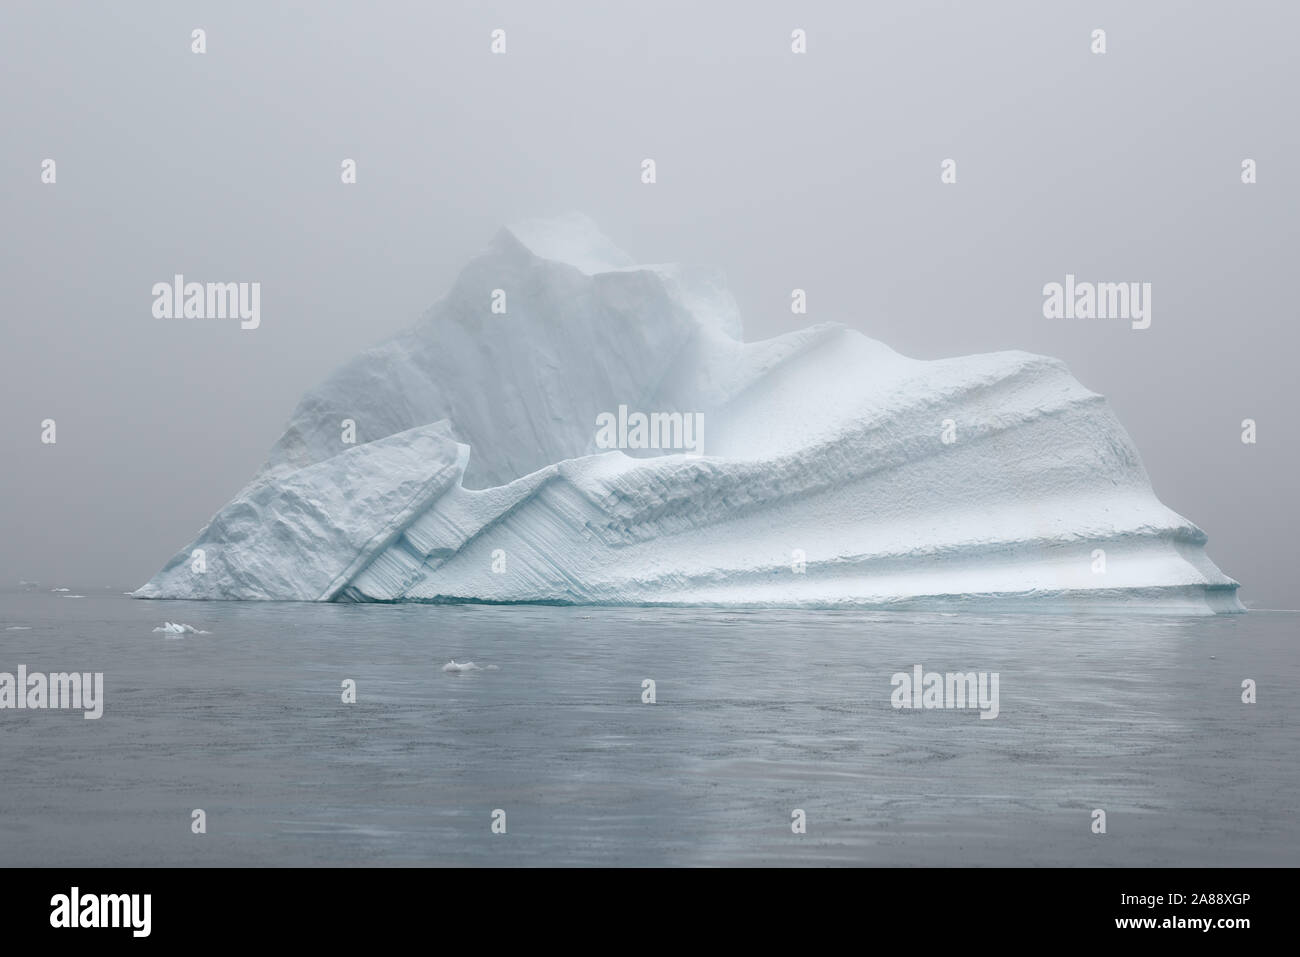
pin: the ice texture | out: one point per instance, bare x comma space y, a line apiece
825, 479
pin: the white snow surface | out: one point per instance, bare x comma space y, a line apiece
824, 479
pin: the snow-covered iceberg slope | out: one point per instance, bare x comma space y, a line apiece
833, 470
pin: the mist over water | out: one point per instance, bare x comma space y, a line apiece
818, 171
757, 713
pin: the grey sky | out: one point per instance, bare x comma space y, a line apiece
818, 171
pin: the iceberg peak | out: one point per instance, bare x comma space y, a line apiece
571, 238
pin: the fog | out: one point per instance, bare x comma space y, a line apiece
818, 171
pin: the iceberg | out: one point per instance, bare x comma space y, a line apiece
528, 440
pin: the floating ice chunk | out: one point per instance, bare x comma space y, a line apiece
453, 668
178, 628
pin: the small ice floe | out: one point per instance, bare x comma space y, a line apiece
463, 668
18, 628
60, 589
177, 628
72, 596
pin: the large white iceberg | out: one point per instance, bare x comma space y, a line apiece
832, 471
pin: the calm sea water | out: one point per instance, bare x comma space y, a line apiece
757, 713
